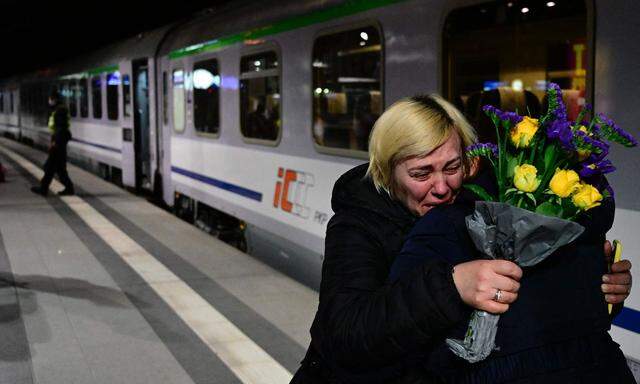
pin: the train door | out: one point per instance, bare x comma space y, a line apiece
141, 125
128, 151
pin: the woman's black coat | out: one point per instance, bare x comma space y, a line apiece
366, 330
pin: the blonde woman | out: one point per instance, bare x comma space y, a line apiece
367, 330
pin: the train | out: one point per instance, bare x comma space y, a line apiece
241, 119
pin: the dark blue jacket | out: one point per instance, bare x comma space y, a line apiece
560, 319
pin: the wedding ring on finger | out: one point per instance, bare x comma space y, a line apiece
498, 296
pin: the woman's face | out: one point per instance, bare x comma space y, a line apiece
431, 180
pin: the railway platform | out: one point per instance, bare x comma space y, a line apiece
105, 287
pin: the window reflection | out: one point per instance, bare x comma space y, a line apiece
126, 95
73, 106
347, 78
505, 56
96, 95
206, 93
260, 96
113, 81
178, 100
83, 93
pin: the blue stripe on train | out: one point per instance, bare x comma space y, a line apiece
220, 184
628, 319
97, 145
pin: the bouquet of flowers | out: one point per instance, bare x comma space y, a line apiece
548, 172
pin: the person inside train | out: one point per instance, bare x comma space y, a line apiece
367, 330
363, 120
57, 160
257, 123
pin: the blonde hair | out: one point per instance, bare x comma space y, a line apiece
413, 127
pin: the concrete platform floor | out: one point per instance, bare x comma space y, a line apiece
104, 287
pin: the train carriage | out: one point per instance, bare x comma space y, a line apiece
242, 120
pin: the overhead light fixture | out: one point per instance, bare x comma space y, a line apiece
517, 85
524, 10
509, 4
364, 36
550, 4
203, 79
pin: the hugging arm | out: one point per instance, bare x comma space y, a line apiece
616, 285
442, 235
365, 322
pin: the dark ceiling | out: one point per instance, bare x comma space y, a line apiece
36, 34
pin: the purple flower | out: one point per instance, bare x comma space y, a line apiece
612, 132
512, 117
556, 105
602, 167
502, 115
595, 156
584, 141
488, 150
490, 109
561, 131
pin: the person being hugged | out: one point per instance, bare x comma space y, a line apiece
368, 329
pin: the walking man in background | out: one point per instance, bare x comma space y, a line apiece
57, 160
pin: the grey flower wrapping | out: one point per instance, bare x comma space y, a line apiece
502, 231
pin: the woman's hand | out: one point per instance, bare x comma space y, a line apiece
478, 281
617, 284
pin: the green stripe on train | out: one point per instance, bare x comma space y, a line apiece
349, 8
97, 71
91, 72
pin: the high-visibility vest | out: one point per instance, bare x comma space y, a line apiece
52, 121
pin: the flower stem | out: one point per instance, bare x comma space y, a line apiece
548, 172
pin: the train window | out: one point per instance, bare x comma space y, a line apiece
73, 94
206, 96
83, 95
96, 96
126, 95
503, 54
178, 100
260, 96
61, 90
113, 81
347, 87
11, 106
2, 102
65, 92
165, 101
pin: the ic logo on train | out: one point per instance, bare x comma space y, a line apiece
291, 192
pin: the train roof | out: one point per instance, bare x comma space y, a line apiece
142, 45
205, 26
237, 19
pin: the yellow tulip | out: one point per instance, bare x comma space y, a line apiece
586, 197
523, 132
525, 178
564, 182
